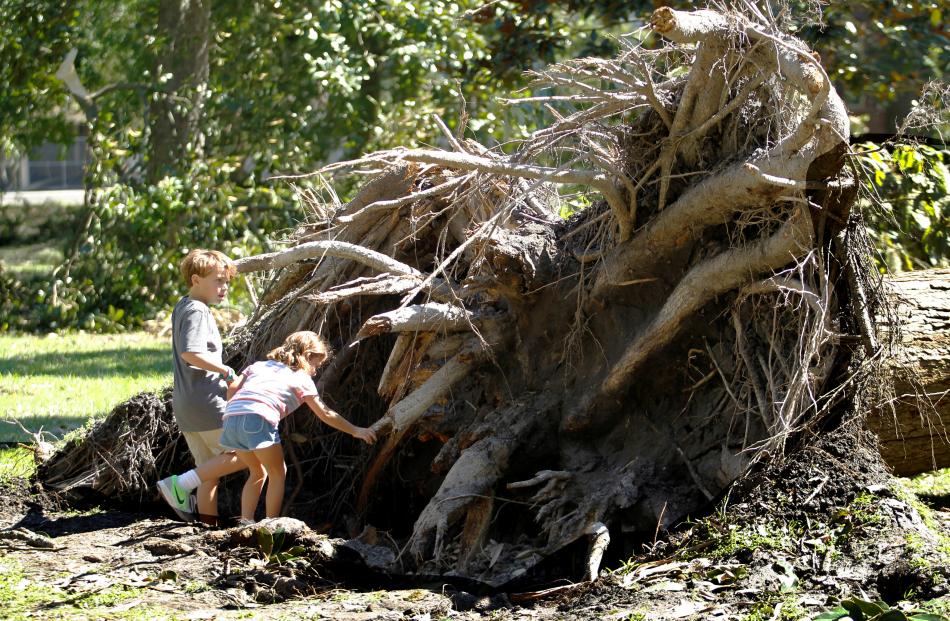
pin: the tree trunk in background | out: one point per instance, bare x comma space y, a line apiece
911, 440
174, 115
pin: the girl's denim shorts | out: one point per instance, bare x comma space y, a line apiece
248, 432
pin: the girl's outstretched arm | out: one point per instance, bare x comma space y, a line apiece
338, 422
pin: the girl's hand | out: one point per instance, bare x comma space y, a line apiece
234, 386
365, 434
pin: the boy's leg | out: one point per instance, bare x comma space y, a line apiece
272, 459
213, 462
178, 497
256, 476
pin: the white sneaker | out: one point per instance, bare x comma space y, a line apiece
180, 500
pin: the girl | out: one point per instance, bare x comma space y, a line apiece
267, 392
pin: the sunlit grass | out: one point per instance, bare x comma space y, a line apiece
58, 383
23, 597
936, 483
16, 462
31, 260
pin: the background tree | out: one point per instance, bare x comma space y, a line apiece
34, 37
181, 68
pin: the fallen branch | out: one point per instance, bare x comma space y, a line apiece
432, 317
338, 249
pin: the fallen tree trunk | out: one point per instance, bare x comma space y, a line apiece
912, 429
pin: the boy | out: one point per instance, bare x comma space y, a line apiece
201, 382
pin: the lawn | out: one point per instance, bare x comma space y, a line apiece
57, 383
30, 260
31, 237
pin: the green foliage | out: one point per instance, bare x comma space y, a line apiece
16, 462
295, 83
881, 52
271, 546
856, 609
142, 233
908, 212
148, 230
34, 38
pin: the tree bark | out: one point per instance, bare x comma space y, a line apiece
911, 431
181, 70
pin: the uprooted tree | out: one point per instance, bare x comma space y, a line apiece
537, 381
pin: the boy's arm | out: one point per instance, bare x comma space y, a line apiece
205, 362
338, 422
193, 332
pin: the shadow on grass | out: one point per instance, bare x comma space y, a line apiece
54, 427
101, 363
939, 502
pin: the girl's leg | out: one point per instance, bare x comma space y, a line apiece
256, 476
210, 472
272, 460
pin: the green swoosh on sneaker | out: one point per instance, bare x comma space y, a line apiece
178, 498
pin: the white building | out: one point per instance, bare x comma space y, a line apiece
47, 167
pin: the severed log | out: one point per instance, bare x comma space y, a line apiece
913, 436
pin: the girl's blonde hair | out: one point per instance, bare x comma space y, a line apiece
297, 347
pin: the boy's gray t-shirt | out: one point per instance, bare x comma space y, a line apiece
198, 397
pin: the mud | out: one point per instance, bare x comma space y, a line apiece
860, 537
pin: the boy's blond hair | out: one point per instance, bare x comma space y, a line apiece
297, 346
200, 262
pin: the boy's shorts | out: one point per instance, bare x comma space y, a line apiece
248, 432
204, 444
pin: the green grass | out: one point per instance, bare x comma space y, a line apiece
16, 462
58, 383
936, 483
31, 260
22, 598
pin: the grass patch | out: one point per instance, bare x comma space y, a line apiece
16, 462
22, 598
936, 483
31, 260
60, 382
